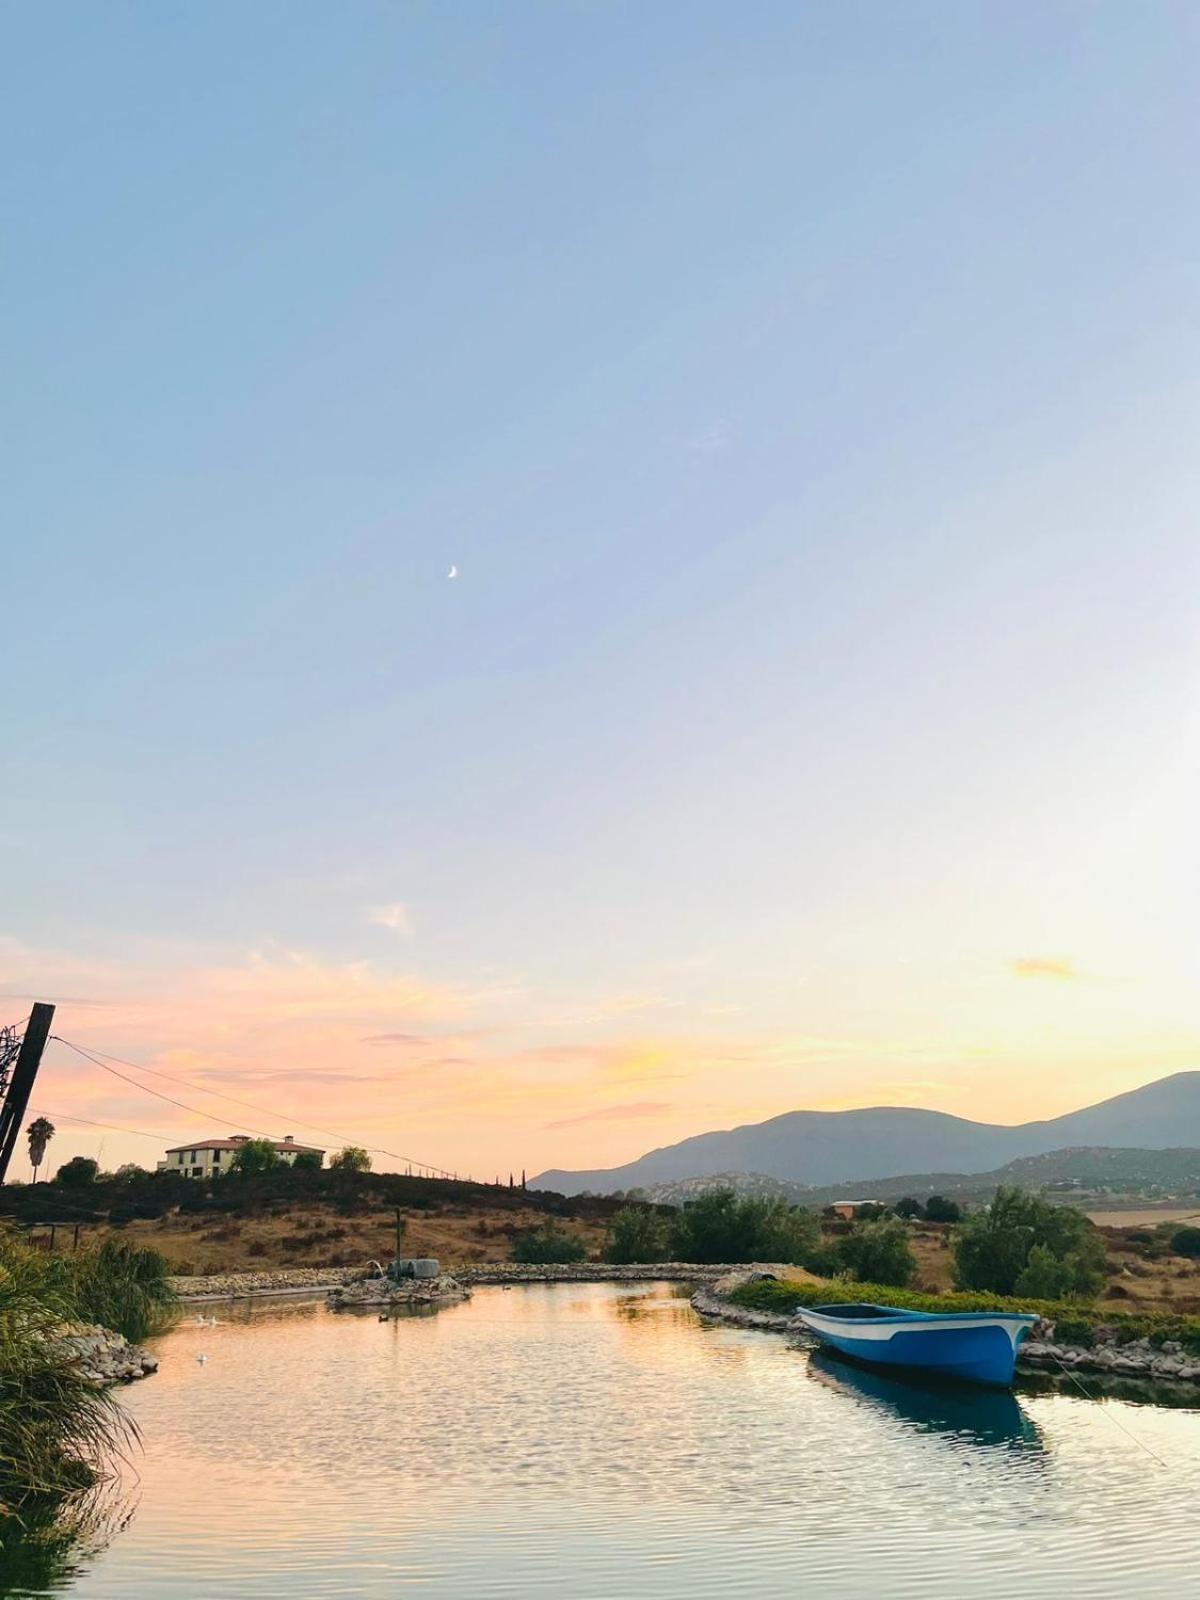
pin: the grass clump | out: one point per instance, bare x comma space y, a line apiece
56, 1430
121, 1287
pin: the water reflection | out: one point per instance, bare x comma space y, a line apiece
990, 1417
1095, 1388
598, 1440
47, 1545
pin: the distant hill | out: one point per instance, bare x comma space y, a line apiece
1092, 1170
1148, 1174
820, 1148
678, 1191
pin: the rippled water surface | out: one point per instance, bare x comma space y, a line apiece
600, 1441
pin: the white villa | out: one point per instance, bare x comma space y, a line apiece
208, 1158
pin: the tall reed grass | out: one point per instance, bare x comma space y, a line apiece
121, 1287
57, 1431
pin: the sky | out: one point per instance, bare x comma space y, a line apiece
806, 395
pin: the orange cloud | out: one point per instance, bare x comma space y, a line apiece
1056, 967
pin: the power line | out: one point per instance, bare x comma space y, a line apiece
94, 1058
219, 1094
112, 1127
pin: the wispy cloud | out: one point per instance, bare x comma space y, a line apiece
417, 1040
638, 1108
394, 916
1056, 967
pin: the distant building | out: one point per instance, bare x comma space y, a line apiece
209, 1158
848, 1208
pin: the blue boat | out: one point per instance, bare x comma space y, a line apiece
970, 1346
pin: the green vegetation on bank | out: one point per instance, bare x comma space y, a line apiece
1075, 1322
56, 1430
1024, 1245
723, 1226
720, 1226
119, 1286
547, 1246
638, 1235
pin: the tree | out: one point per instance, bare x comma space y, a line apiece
255, 1155
720, 1227
994, 1247
352, 1159
909, 1208
77, 1172
939, 1209
1186, 1242
130, 1172
1042, 1276
637, 1235
785, 1233
879, 1252
39, 1133
547, 1246
307, 1161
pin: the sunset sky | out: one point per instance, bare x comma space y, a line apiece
807, 395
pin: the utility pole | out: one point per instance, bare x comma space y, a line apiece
17, 1088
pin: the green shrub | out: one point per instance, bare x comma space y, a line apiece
825, 1262
722, 1227
879, 1252
1074, 1330
638, 1234
992, 1249
547, 1246
1186, 1242
939, 1209
1042, 1276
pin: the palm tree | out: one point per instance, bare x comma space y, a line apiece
39, 1133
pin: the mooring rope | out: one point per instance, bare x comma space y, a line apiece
1112, 1417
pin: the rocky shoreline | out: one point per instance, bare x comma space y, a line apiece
292, 1280
376, 1294
590, 1272
1105, 1358
104, 1357
239, 1285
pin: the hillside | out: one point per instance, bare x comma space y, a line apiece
819, 1148
1088, 1171
678, 1191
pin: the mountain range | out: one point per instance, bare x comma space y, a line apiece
818, 1148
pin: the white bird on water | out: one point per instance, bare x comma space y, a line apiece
453, 573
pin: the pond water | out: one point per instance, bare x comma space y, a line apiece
601, 1441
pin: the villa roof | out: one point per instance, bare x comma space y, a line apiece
285, 1146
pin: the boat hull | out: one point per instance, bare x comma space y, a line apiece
975, 1348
